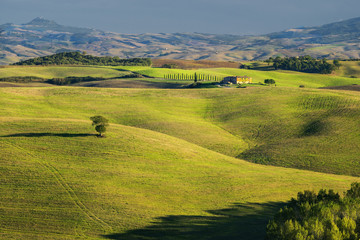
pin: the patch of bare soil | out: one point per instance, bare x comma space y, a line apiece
347, 87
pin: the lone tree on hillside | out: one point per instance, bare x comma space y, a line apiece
269, 81
100, 124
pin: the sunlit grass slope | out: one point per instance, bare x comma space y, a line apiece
59, 72
349, 69
308, 129
292, 127
59, 181
282, 78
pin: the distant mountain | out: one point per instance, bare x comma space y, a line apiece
41, 24
42, 37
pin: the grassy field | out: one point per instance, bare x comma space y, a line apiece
282, 78
167, 168
59, 72
349, 69
292, 127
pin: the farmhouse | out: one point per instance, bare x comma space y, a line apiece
236, 80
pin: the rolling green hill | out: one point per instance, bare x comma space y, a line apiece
292, 127
349, 69
167, 167
59, 72
282, 78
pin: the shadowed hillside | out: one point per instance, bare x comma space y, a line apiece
240, 221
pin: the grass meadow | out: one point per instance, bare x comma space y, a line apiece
282, 78
176, 163
349, 69
48, 72
171, 166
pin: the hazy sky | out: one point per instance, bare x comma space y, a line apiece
206, 16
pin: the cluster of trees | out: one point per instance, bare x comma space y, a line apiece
304, 64
312, 216
351, 59
243, 66
170, 65
195, 77
77, 58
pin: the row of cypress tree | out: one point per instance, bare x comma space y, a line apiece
195, 77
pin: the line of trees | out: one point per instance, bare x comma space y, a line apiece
351, 59
64, 81
304, 64
324, 215
194, 77
77, 58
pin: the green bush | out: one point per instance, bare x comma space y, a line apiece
269, 81
324, 216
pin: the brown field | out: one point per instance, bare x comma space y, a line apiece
347, 87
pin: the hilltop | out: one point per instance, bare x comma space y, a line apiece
41, 37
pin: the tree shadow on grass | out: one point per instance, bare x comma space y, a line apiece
240, 221
49, 135
131, 83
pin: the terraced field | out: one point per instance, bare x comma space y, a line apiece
171, 165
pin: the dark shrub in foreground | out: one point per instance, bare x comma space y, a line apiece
324, 215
